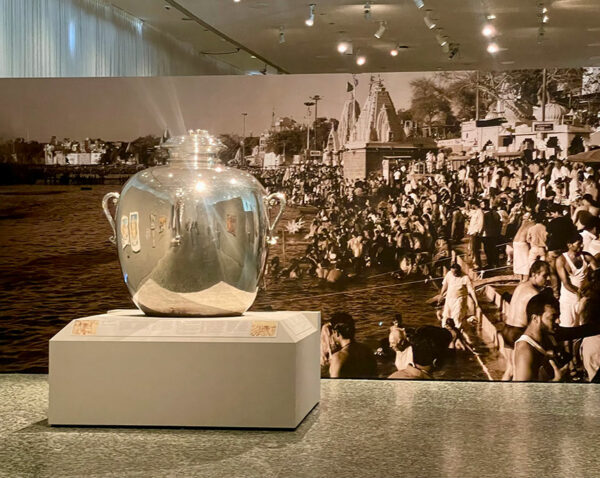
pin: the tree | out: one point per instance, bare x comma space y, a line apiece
404, 115
519, 90
429, 104
110, 154
288, 141
323, 127
232, 143
144, 148
251, 142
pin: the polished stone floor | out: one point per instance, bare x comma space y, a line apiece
360, 429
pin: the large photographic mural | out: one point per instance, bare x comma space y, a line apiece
441, 222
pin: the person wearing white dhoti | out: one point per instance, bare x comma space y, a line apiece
458, 288
536, 238
521, 247
572, 268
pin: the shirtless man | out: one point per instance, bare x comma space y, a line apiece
516, 322
531, 358
349, 358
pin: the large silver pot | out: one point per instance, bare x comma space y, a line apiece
192, 236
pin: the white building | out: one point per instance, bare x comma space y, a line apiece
554, 133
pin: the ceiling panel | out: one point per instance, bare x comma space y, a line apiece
572, 34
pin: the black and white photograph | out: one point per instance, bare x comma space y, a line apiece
288, 239
424, 210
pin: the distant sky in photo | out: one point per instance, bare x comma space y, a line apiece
126, 108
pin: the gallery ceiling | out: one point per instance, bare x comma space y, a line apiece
271, 35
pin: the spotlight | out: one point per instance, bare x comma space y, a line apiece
429, 21
453, 49
310, 21
446, 47
236, 1
419, 4
491, 16
345, 47
545, 19
493, 48
441, 39
281, 35
361, 60
544, 10
394, 51
488, 30
381, 30
367, 11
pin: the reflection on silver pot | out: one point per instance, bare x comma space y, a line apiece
192, 236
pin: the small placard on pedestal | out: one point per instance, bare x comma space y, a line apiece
260, 370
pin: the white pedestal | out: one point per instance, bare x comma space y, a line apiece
123, 368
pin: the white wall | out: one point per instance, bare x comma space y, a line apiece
74, 38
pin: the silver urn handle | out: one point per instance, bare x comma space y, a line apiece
282, 202
105, 201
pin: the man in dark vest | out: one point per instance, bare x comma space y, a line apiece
492, 227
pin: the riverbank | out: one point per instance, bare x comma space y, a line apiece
57, 174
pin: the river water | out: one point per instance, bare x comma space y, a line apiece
56, 264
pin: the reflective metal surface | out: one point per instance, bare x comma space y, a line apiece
192, 235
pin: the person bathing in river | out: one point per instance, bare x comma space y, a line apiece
429, 346
346, 357
458, 288
399, 343
458, 338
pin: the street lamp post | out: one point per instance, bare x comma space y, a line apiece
316, 99
243, 161
308, 104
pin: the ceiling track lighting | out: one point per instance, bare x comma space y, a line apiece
441, 39
419, 4
345, 47
367, 11
430, 22
493, 48
490, 16
361, 60
381, 30
281, 35
453, 50
396, 50
488, 30
310, 21
544, 18
543, 13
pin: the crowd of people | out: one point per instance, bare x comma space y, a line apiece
539, 215
371, 223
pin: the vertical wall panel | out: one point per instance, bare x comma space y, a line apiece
58, 38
